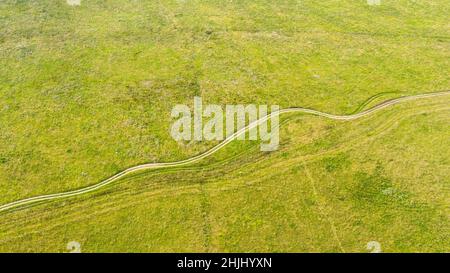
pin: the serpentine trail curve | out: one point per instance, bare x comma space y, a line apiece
213, 150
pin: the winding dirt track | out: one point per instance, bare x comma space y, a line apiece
213, 150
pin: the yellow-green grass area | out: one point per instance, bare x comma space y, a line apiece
86, 91
332, 186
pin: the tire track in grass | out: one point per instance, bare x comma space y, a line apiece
111, 203
216, 148
322, 210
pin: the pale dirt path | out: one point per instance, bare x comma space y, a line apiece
213, 150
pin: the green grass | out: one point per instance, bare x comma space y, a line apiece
87, 91
381, 179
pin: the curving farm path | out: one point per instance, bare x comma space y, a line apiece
213, 150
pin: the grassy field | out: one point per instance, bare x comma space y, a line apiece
86, 91
333, 186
